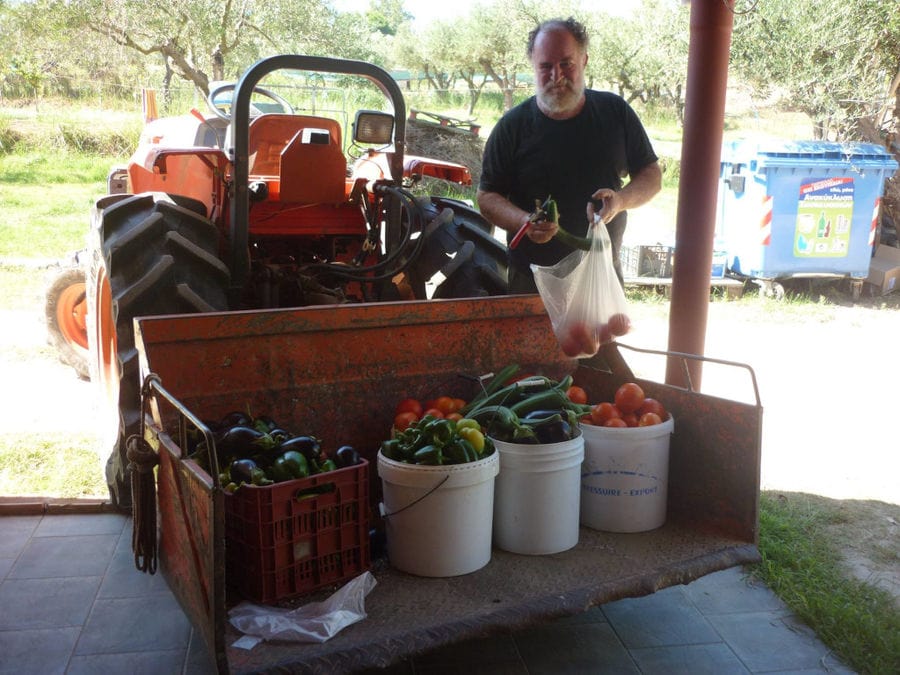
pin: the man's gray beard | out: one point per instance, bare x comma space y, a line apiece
560, 104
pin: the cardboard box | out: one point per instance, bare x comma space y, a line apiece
884, 269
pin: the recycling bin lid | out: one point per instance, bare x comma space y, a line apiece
782, 153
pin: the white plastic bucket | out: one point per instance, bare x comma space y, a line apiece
536, 502
625, 477
438, 518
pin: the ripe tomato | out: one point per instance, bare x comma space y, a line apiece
570, 346
409, 405
615, 422
459, 403
601, 413
445, 404
654, 406
587, 337
631, 419
629, 397
604, 333
649, 419
455, 416
434, 412
619, 324
576, 394
404, 420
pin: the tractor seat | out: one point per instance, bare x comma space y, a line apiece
303, 153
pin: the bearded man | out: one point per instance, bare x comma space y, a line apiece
573, 144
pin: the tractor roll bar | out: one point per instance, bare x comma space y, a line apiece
240, 123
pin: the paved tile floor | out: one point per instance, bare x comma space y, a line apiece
72, 602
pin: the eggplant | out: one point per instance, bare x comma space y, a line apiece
308, 446
279, 435
345, 456
553, 432
235, 418
242, 471
238, 441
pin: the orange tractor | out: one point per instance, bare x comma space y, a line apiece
256, 206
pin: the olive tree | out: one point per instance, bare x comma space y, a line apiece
497, 34
203, 40
838, 62
643, 57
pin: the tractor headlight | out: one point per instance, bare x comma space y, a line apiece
373, 127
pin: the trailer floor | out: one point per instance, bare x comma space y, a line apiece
72, 602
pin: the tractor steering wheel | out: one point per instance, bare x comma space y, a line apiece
222, 109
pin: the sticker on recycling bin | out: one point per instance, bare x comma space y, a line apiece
824, 216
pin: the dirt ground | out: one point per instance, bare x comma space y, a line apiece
828, 386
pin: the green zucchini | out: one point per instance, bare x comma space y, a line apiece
566, 237
495, 417
496, 383
511, 393
545, 400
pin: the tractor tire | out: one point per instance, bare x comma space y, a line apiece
148, 256
471, 260
65, 310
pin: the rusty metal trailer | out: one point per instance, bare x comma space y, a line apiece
337, 372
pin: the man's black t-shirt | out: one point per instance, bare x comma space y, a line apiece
530, 156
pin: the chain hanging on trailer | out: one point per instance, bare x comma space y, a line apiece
142, 459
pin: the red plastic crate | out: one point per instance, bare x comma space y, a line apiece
292, 538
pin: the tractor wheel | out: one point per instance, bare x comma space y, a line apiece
65, 308
148, 256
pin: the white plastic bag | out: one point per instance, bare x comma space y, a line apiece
315, 622
583, 297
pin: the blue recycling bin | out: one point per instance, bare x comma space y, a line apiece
800, 208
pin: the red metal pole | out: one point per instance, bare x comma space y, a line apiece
707, 77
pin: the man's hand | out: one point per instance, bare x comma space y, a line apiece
641, 188
542, 230
611, 205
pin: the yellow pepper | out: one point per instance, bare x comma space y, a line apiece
474, 437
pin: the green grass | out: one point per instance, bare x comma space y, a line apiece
800, 564
45, 202
50, 465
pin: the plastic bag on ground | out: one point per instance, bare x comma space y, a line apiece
314, 622
583, 297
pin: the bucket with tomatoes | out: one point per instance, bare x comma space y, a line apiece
624, 476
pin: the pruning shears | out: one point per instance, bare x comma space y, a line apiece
539, 214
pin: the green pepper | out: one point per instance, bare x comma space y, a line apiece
497, 419
425, 421
296, 463
440, 432
460, 451
392, 449
429, 454
327, 465
280, 471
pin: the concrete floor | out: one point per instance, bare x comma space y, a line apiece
72, 602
